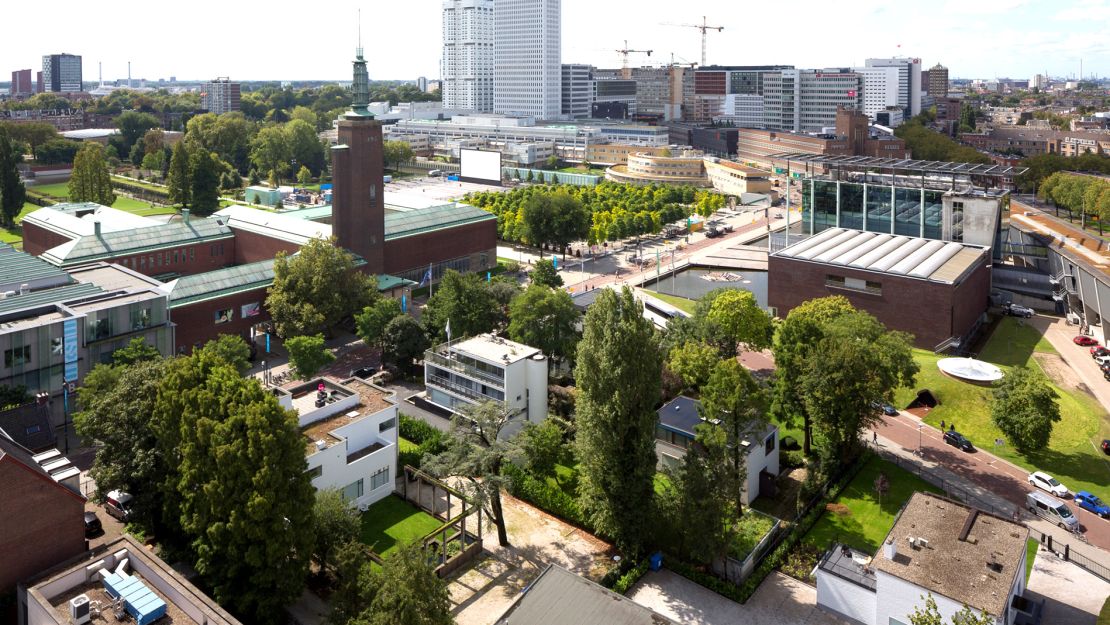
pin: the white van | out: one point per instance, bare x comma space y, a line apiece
1052, 510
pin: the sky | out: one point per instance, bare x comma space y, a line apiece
315, 41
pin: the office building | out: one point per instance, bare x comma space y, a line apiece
488, 368
685, 168
881, 89
743, 110
613, 99
220, 96
806, 100
936, 85
21, 84
527, 74
1038, 81
61, 73
712, 85
909, 82
467, 64
577, 93
850, 136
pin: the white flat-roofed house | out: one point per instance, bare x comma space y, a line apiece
350, 439
485, 368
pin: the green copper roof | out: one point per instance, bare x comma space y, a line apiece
421, 220
59, 295
17, 268
360, 88
212, 284
387, 282
112, 244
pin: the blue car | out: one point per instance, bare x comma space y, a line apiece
1091, 503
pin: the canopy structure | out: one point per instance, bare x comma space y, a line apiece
970, 369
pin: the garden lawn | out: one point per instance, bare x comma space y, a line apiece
568, 480
684, 304
1031, 547
393, 522
856, 518
1071, 456
60, 190
753, 526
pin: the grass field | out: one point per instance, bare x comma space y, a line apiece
1072, 456
393, 522
681, 303
594, 171
856, 518
1031, 547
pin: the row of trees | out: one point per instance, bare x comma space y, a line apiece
194, 177
1042, 166
1085, 195
558, 214
930, 145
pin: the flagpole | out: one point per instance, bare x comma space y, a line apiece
430, 293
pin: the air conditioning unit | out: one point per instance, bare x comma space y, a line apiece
79, 609
321, 445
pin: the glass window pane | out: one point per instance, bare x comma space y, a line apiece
933, 214
824, 205
907, 205
878, 208
851, 205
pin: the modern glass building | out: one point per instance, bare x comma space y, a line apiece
872, 206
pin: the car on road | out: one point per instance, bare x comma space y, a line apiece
1051, 509
1099, 351
1106, 375
92, 524
1046, 482
957, 440
1102, 360
1017, 310
1084, 340
886, 408
118, 505
1092, 503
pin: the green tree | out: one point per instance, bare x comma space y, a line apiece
403, 341
545, 319
308, 355
739, 404
794, 344
396, 152
406, 591
12, 191
57, 151
34, 134
860, 363
544, 447
305, 114
238, 490
544, 273
11, 396
315, 289
930, 615
1024, 408
477, 448
152, 161
205, 174
304, 146
738, 314
271, 152
371, 322
232, 350
694, 506
554, 218
335, 523
462, 299
90, 181
304, 177
133, 125
179, 181
618, 373
694, 362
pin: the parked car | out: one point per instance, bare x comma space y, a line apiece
1084, 340
1102, 360
1017, 310
118, 505
886, 408
1046, 482
1105, 446
435, 173
92, 524
1051, 509
1099, 351
1092, 503
1106, 375
958, 440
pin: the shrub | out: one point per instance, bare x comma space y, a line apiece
1104, 615
544, 496
791, 459
416, 430
629, 579
708, 580
800, 562
790, 444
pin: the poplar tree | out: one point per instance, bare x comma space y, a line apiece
12, 191
180, 179
90, 181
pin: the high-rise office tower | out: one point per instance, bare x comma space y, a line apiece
21, 83
220, 96
909, 82
807, 100
61, 73
527, 73
937, 85
467, 64
578, 82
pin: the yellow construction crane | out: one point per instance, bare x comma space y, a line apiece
704, 27
624, 52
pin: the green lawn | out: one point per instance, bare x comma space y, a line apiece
58, 189
681, 303
1072, 456
862, 522
144, 184
404, 444
594, 171
1031, 547
393, 522
752, 527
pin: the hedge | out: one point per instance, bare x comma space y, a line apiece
140, 189
629, 579
41, 199
428, 440
544, 496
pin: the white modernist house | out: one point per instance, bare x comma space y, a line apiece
958, 554
484, 368
350, 432
675, 433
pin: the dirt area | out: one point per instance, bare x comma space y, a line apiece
1060, 373
483, 592
784, 505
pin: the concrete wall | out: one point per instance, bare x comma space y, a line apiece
897, 599
846, 599
337, 473
41, 524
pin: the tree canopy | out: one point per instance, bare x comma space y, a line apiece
739, 316
465, 301
739, 405
371, 322
316, 288
90, 181
12, 191
545, 319
308, 355
544, 273
1024, 408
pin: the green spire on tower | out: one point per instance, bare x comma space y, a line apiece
360, 87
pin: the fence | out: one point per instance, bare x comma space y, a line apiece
1064, 549
452, 545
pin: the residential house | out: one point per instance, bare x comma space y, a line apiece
558, 596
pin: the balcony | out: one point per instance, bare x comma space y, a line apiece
458, 389
849, 565
469, 371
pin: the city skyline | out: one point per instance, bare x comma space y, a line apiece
988, 39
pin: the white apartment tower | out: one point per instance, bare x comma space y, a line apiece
909, 82
467, 64
527, 73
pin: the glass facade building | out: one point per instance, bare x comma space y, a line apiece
910, 211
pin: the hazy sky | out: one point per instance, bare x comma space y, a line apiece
315, 40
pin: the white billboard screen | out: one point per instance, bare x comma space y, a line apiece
481, 165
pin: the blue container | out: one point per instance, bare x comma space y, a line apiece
453, 178
655, 562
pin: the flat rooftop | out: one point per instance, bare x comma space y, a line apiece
558, 597
79, 219
963, 544
492, 348
902, 164
372, 401
890, 254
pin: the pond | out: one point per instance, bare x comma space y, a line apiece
694, 282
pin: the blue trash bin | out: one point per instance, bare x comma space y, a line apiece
656, 561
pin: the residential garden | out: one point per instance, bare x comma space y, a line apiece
393, 522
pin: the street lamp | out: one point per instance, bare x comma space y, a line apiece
919, 428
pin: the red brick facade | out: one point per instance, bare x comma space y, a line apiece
251, 247
37, 239
195, 324
414, 252
931, 311
183, 259
42, 523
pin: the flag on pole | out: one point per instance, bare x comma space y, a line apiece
448, 330
427, 277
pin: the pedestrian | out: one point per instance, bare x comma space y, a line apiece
952, 427
942, 425
875, 437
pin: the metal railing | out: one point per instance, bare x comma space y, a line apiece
950, 488
453, 387
454, 365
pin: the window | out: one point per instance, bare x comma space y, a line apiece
17, 356
140, 318
315, 472
352, 491
388, 424
958, 222
379, 478
769, 445
102, 328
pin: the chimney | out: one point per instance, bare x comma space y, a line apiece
96, 228
890, 549
185, 215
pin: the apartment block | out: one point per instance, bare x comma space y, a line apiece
909, 81
61, 73
220, 96
577, 94
467, 64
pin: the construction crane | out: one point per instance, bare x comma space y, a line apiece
626, 51
704, 27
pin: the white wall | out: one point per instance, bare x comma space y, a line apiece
844, 597
757, 461
336, 473
897, 599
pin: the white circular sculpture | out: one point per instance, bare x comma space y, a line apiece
970, 369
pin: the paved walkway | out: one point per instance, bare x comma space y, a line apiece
1057, 582
780, 600
1057, 331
